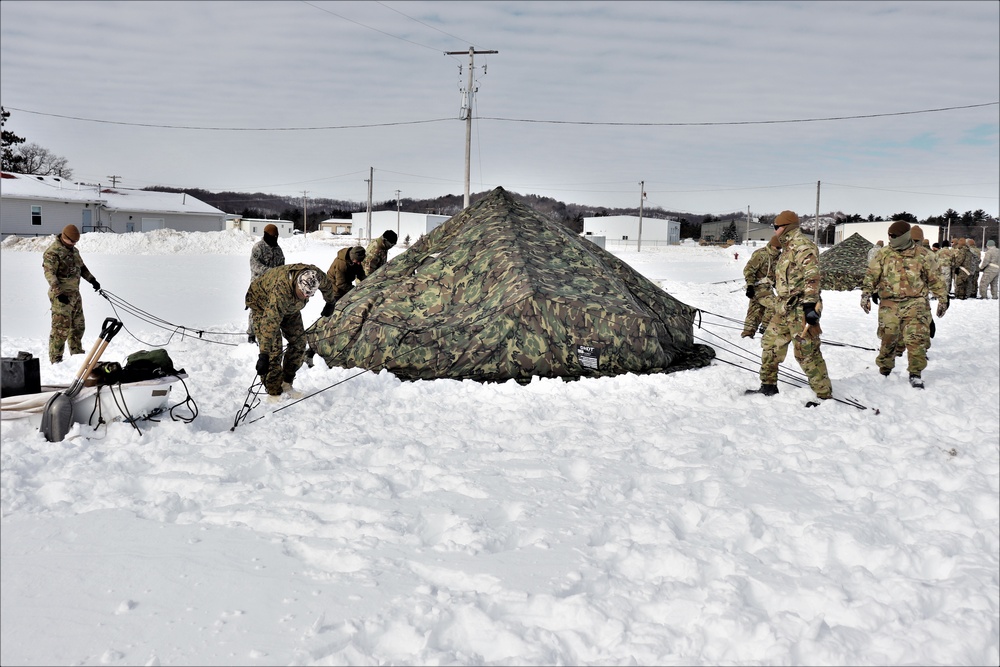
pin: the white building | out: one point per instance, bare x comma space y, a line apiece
337, 225
624, 229
879, 231
42, 205
256, 226
412, 225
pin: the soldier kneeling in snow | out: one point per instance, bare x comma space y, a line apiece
276, 300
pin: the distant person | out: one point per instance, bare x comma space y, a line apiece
377, 252
266, 254
971, 287
874, 250
63, 267
990, 269
346, 269
796, 312
276, 300
899, 281
945, 257
759, 276
960, 261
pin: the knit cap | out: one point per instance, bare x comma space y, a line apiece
899, 228
786, 218
916, 233
271, 229
357, 254
71, 233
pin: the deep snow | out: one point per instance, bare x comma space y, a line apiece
661, 519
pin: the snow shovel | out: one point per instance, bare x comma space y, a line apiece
57, 417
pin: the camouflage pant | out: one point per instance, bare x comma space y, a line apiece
961, 284
67, 324
785, 327
904, 324
760, 309
989, 280
283, 364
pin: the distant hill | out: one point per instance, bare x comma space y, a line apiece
263, 205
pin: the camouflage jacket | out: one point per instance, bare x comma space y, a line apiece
272, 298
945, 257
971, 262
343, 273
904, 274
796, 273
264, 257
63, 267
759, 270
376, 254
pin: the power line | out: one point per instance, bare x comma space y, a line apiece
509, 120
232, 129
739, 122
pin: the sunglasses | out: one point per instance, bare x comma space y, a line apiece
892, 236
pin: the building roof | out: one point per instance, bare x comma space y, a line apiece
54, 188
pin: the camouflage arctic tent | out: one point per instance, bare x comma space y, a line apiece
500, 292
843, 266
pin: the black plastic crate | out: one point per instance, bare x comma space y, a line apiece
19, 375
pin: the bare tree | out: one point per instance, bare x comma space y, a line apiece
40, 161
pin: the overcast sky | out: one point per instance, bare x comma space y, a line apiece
583, 101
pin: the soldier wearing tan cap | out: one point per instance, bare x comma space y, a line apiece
63, 268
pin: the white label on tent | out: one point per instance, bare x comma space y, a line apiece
589, 356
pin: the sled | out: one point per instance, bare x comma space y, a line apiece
131, 401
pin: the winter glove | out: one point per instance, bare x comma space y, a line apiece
328, 309
749, 291
875, 298
812, 317
942, 308
866, 303
63, 299
97, 285
262, 364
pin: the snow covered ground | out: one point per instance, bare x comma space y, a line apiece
632, 520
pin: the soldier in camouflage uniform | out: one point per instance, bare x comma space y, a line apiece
377, 252
796, 312
266, 254
347, 268
63, 268
944, 260
960, 261
971, 286
759, 274
898, 281
991, 270
276, 300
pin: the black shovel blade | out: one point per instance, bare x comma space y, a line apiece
57, 418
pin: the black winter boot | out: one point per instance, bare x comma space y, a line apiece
765, 390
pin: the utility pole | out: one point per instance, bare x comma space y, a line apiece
816, 228
114, 180
467, 113
397, 214
642, 195
746, 239
305, 216
368, 225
